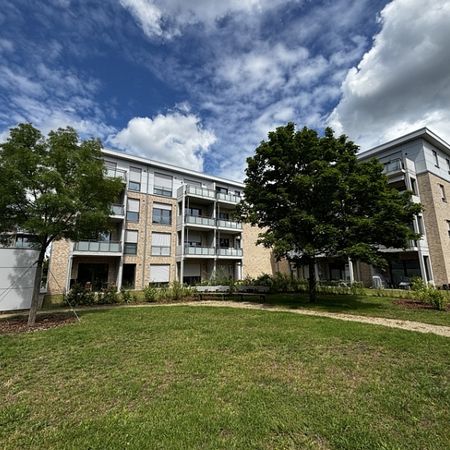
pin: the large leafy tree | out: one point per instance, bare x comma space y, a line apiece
53, 188
312, 197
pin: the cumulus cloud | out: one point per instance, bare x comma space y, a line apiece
403, 82
166, 18
176, 137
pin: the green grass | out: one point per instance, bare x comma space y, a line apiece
358, 305
221, 378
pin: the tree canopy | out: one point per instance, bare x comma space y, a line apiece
312, 197
53, 187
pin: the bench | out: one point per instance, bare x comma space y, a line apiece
224, 291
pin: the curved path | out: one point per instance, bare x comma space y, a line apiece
408, 325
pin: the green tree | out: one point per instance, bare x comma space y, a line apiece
54, 188
312, 197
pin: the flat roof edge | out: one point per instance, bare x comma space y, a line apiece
167, 166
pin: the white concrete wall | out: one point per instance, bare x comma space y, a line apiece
16, 279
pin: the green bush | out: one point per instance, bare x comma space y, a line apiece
108, 296
428, 294
127, 296
150, 294
79, 296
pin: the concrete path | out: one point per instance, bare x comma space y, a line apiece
407, 325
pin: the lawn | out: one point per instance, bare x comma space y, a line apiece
221, 378
358, 304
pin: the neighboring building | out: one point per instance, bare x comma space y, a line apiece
420, 162
177, 224
169, 224
17, 271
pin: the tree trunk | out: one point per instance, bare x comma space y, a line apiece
36, 289
312, 279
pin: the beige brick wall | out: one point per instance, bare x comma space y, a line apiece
257, 259
144, 259
58, 267
436, 213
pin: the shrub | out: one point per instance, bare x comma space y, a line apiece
150, 294
78, 295
427, 293
127, 296
108, 296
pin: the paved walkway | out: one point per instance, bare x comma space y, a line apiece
408, 325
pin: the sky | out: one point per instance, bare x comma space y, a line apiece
199, 83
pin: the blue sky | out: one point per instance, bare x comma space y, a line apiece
200, 83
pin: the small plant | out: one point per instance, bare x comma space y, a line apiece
150, 294
108, 296
427, 293
78, 295
127, 296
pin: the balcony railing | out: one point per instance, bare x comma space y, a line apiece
230, 198
198, 191
200, 251
229, 251
115, 173
117, 210
221, 223
393, 166
198, 220
98, 246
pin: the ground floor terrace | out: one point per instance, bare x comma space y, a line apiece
401, 268
193, 271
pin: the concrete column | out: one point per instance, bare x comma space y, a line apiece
316, 270
69, 272
119, 274
350, 269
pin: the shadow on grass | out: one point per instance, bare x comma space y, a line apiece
333, 303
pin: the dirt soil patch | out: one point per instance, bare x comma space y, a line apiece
413, 304
18, 324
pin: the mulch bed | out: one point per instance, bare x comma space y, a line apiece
18, 324
412, 304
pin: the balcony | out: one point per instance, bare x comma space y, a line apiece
235, 252
196, 251
393, 167
111, 172
228, 198
97, 247
196, 191
199, 220
229, 224
117, 211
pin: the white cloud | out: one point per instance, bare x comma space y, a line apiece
166, 18
176, 137
403, 82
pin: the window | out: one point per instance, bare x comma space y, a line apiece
191, 243
237, 193
448, 165
414, 186
162, 185
442, 192
224, 243
436, 159
135, 176
221, 190
162, 214
161, 244
224, 216
159, 273
131, 238
196, 212
420, 224
133, 210
25, 241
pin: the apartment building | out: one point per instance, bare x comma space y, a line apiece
418, 162
169, 224
176, 224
